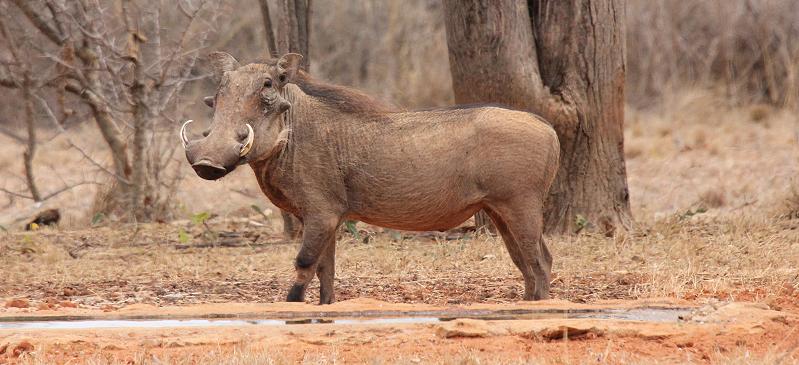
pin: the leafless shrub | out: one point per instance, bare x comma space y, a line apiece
748, 49
395, 50
120, 62
790, 206
713, 198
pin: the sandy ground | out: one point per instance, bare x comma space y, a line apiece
711, 334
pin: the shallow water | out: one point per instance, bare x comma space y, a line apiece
321, 318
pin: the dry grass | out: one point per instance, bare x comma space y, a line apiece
698, 148
252, 355
679, 256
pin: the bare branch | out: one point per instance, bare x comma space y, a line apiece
69, 187
54, 120
54, 12
52, 194
39, 22
30, 145
270, 33
96, 164
18, 195
49, 112
182, 43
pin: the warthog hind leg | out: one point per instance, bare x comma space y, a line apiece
515, 253
523, 225
326, 272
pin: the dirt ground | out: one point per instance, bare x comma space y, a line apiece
714, 333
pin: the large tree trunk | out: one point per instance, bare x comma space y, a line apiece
564, 60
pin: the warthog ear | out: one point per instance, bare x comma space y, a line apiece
288, 66
222, 62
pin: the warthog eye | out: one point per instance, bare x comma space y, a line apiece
268, 83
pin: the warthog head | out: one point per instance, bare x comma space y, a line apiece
247, 106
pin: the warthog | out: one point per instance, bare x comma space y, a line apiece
328, 153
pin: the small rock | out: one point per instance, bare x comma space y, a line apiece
67, 304
44, 306
22, 348
69, 292
567, 332
463, 328
489, 257
149, 343
174, 296
17, 303
108, 308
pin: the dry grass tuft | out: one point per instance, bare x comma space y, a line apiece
790, 205
712, 198
254, 355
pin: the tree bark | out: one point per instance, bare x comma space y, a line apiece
294, 29
564, 60
292, 35
268, 29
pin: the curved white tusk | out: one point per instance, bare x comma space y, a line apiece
248, 145
183, 133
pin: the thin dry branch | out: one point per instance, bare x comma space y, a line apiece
39, 22
54, 120
270, 33
52, 194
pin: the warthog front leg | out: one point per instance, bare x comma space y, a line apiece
317, 237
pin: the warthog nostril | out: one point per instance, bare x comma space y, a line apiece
208, 170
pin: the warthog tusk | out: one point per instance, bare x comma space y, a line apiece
248, 145
183, 133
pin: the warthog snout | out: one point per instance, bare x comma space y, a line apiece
217, 154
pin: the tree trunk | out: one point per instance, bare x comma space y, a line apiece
269, 31
30, 149
294, 29
564, 60
292, 35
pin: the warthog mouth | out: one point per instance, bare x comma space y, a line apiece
209, 170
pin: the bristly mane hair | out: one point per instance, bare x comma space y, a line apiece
345, 99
